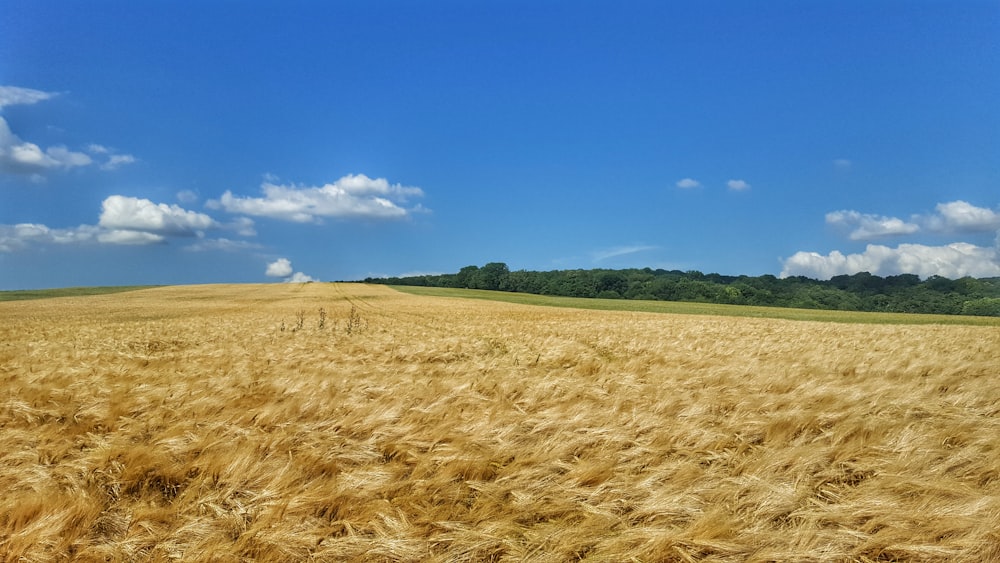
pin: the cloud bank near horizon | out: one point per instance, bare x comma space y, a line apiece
953, 260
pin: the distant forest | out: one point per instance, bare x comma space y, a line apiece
905, 293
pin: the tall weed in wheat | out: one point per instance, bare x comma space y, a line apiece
185, 423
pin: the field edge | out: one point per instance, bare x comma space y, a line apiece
688, 308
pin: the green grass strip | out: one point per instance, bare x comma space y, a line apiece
23, 294
685, 308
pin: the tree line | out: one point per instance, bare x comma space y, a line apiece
905, 293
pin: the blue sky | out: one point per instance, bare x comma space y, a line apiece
195, 142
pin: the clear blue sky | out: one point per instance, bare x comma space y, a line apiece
190, 142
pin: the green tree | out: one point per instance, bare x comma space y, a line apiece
986, 307
492, 276
465, 276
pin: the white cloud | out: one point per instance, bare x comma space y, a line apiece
23, 157
14, 95
187, 196
951, 217
299, 277
20, 157
222, 244
280, 268
20, 236
607, 253
866, 227
738, 185
353, 196
17, 237
244, 226
963, 217
129, 237
67, 158
115, 161
688, 183
842, 164
132, 221
414, 274
954, 260
135, 214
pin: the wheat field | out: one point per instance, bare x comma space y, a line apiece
241, 423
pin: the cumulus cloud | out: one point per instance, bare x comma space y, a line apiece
353, 196
688, 183
864, 226
951, 217
280, 268
738, 185
123, 220
954, 260
299, 277
136, 214
961, 216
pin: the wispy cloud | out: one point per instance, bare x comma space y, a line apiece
126, 236
617, 251
353, 196
116, 161
187, 196
15, 95
738, 185
688, 183
222, 245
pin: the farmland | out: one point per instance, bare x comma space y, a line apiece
333, 422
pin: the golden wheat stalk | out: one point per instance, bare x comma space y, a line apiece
215, 423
